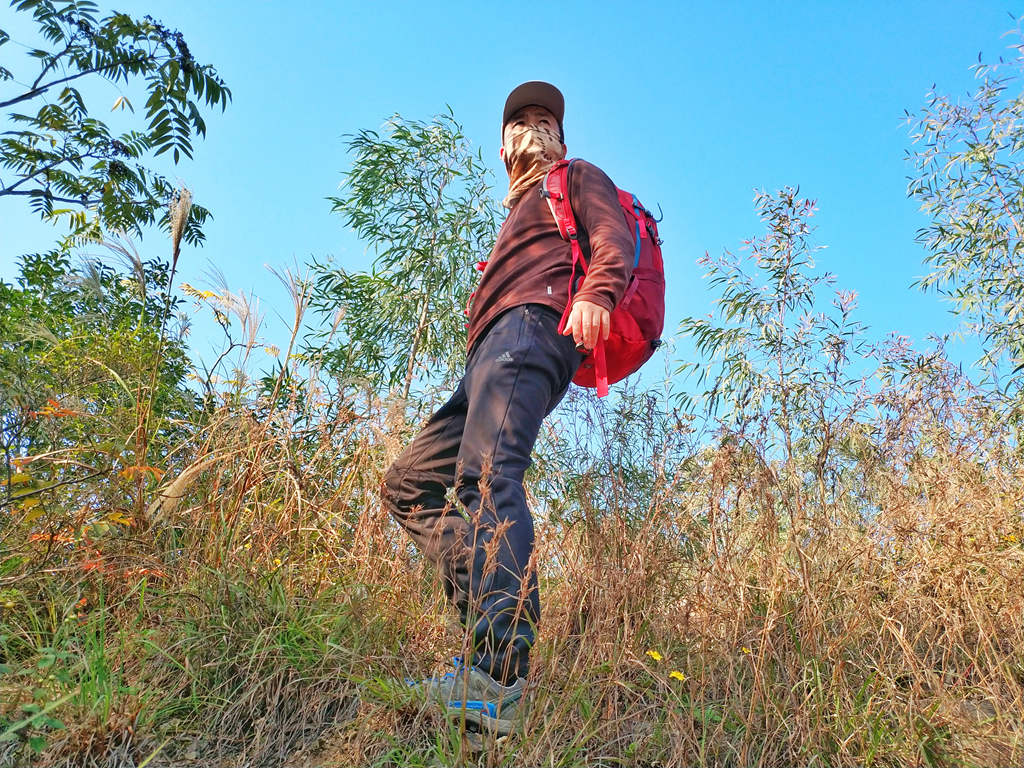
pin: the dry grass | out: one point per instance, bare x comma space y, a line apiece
873, 618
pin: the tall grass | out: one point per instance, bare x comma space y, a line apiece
772, 589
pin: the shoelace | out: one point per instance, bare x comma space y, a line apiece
457, 664
459, 667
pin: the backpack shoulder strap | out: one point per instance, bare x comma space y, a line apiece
555, 190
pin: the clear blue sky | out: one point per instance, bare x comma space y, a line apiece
690, 105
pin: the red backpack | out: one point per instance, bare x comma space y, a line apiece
638, 319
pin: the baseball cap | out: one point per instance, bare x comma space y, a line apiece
535, 92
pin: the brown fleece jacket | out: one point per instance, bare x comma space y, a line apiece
531, 263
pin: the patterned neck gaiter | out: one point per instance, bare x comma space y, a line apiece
529, 154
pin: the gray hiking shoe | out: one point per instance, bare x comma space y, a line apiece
470, 692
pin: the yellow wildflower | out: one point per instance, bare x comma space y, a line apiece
277, 562
677, 675
745, 649
654, 655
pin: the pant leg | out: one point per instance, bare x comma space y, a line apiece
414, 489
518, 373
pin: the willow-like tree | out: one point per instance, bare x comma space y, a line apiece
969, 180
421, 199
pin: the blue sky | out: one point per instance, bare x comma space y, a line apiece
690, 105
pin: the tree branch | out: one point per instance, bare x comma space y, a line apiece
37, 491
9, 190
42, 88
53, 61
73, 200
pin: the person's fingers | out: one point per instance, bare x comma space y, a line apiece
588, 323
570, 324
600, 320
592, 328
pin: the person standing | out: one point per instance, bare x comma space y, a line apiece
518, 368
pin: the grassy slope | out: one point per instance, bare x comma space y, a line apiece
735, 612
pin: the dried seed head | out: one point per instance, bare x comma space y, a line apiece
180, 208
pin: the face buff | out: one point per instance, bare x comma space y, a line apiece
529, 154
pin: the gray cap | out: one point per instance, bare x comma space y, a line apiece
535, 92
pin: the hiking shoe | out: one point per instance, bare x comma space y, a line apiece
439, 687
470, 692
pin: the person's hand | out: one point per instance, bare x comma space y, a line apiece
586, 321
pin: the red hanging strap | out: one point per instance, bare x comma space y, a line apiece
556, 191
600, 368
577, 258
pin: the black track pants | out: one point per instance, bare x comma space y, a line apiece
480, 442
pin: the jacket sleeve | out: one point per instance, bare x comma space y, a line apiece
595, 201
